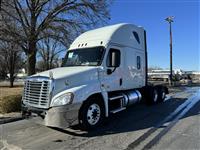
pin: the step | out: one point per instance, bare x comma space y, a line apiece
116, 97
117, 110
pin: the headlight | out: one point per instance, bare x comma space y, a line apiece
62, 100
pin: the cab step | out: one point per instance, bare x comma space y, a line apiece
116, 97
117, 110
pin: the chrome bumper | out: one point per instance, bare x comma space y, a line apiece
61, 117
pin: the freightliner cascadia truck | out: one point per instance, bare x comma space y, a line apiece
103, 72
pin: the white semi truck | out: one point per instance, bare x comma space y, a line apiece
104, 72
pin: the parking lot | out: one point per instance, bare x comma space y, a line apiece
175, 122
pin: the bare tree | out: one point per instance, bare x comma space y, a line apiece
48, 53
10, 58
39, 19
10, 51
3, 72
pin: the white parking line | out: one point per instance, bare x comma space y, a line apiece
189, 103
167, 98
193, 100
182, 110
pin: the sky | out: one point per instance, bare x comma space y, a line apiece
151, 15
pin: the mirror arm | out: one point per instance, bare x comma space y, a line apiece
111, 70
114, 69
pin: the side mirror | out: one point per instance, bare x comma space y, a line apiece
109, 71
114, 58
62, 63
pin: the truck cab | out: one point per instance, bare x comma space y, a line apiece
104, 71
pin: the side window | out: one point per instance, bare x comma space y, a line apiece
136, 37
111, 53
138, 62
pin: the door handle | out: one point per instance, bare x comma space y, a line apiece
120, 81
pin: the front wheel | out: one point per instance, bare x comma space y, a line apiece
92, 114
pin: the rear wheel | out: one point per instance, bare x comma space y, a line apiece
161, 93
92, 114
151, 95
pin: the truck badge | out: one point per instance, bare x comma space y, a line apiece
50, 74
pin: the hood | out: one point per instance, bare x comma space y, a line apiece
63, 72
69, 77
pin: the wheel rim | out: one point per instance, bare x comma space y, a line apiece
93, 114
155, 96
163, 95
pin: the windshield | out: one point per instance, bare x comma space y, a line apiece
84, 57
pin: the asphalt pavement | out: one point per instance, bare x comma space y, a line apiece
173, 124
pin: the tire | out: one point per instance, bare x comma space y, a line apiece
92, 114
151, 95
161, 93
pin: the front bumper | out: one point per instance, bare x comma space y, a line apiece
61, 117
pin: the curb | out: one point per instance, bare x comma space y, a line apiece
9, 120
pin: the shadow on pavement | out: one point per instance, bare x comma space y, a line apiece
134, 118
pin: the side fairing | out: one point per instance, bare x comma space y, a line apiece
134, 68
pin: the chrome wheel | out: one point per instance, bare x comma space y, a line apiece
93, 114
155, 96
163, 95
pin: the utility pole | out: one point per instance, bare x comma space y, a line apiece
0, 4
170, 20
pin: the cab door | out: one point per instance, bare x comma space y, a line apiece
111, 77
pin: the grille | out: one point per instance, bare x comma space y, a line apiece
37, 93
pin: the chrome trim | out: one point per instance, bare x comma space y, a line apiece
38, 92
